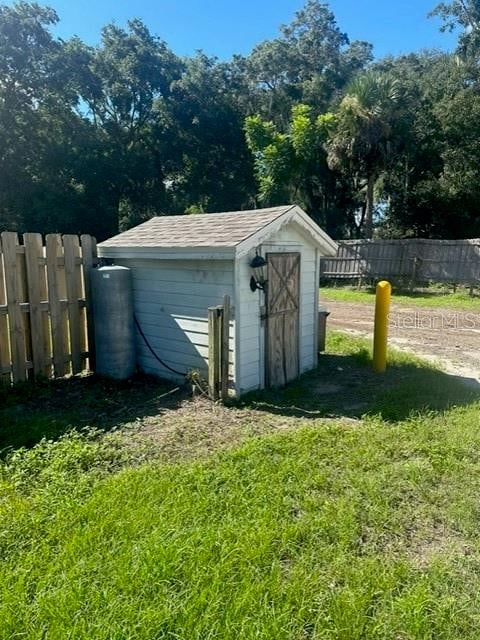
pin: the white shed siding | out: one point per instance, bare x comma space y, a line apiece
171, 299
248, 346
250, 343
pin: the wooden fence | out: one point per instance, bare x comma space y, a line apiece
45, 326
418, 260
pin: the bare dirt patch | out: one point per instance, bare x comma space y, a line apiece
195, 427
450, 338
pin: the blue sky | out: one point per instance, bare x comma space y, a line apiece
224, 27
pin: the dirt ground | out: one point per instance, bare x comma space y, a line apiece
445, 336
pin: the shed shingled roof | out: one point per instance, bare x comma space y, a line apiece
203, 230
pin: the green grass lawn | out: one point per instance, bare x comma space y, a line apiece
430, 299
331, 528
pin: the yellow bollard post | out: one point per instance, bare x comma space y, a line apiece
380, 336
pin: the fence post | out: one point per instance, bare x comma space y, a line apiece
5, 368
89, 257
414, 272
71, 248
15, 320
219, 349
214, 351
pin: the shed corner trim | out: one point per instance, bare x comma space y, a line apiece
294, 215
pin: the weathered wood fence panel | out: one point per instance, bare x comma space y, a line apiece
455, 261
45, 327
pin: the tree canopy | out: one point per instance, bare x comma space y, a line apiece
96, 139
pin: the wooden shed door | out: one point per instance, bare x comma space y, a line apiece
283, 301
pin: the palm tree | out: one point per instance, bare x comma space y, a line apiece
363, 140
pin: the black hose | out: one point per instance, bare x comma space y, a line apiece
150, 348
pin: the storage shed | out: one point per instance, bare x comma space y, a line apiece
182, 265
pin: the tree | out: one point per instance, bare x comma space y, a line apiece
293, 166
97, 138
431, 188
27, 52
409, 190
308, 63
123, 86
41, 138
363, 141
205, 126
463, 15
29, 70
